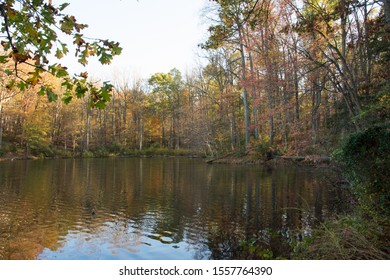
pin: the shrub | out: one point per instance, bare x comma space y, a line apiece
366, 160
42, 151
5, 148
87, 154
346, 238
101, 152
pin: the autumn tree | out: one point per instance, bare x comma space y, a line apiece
233, 20
341, 38
167, 91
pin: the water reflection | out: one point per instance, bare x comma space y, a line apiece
153, 208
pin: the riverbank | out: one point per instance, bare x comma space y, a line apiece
270, 158
313, 160
101, 153
250, 157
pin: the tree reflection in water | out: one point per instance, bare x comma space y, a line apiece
156, 208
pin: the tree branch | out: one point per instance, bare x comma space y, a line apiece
5, 16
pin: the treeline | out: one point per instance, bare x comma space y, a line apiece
294, 77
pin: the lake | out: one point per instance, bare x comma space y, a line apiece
155, 208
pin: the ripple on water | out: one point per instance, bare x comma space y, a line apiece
166, 240
168, 233
162, 238
153, 236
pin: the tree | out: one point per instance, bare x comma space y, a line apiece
234, 17
167, 88
31, 35
339, 32
5, 96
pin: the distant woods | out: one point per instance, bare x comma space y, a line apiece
292, 76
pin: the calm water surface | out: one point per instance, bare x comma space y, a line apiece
152, 208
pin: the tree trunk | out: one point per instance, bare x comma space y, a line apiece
87, 128
141, 128
244, 91
296, 87
315, 116
254, 94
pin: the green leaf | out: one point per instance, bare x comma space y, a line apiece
3, 58
100, 104
80, 90
42, 91
8, 72
67, 24
64, 47
22, 86
62, 71
48, 91
63, 6
105, 95
51, 96
105, 58
58, 70
107, 86
116, 49
67, 84
67, 99
83, 60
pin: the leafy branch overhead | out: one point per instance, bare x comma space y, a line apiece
30, 32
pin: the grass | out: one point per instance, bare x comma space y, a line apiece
350, 237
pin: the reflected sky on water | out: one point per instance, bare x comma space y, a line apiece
152, 208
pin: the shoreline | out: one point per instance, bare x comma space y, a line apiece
310, 160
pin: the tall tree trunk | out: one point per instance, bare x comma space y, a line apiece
296, 82
254, 93
88, 129
141, 128
244, 91
315, 116
163, 130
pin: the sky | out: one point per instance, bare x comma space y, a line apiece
156, 35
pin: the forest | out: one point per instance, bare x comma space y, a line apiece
286, 77
294, 77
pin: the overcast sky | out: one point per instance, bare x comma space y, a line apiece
156, 35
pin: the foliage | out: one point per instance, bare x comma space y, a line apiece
256, 251
233, 15
30, 29
87, 154
299, 68
166, 93
101, 152
346, 238
366, 158
264, 150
